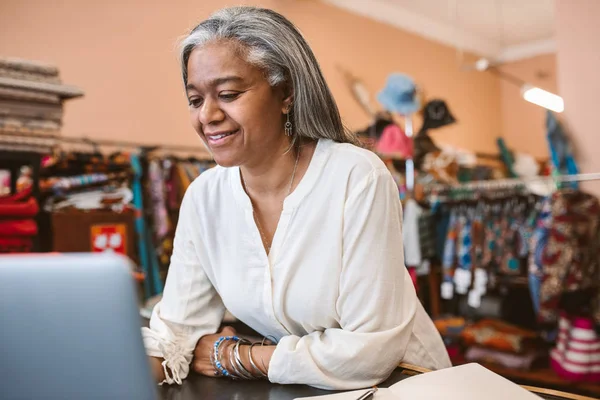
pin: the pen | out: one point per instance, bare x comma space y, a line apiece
368, 395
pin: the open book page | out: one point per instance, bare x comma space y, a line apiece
381, 394
465, 382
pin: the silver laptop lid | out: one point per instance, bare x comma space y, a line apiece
70, 329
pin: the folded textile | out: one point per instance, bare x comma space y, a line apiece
20, 227
508, 360
17, 197
15, 244
576, 356
501, 336
24, 209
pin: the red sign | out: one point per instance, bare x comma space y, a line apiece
109, 238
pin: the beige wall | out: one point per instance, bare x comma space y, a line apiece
523, 123
577, 33
122, 54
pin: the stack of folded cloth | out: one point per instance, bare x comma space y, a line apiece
450, 328
576, 356
17, 223
503, 344
31, 95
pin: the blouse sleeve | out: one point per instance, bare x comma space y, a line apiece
190, 306
376, 305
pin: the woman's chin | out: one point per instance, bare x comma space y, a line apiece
226, 160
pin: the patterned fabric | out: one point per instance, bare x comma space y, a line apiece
570, 259
158, 201
462, 275
577, 350
499, 335
537, 242
449, 257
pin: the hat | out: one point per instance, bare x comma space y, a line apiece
394, 141
399, 95
436, 114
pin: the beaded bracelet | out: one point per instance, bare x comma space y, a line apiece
217, 354
235, 361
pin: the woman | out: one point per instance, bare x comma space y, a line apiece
297, 232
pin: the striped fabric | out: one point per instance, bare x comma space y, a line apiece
577, 353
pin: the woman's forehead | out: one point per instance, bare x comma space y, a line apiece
216, 63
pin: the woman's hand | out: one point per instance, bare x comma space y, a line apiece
204, 349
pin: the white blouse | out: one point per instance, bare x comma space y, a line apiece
333, 290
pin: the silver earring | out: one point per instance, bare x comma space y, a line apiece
288, 126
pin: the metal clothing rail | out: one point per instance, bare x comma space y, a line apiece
51, 139
512, 182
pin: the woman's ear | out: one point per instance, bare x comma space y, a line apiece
287, 105
288, 98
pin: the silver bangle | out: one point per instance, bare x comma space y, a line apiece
261, 357
239, 373
241, 368
254, 366
235, 374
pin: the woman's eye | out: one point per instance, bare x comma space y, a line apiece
228, 96
195, 102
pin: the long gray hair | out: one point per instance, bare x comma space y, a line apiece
272, 43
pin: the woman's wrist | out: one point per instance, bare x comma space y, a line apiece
238, 358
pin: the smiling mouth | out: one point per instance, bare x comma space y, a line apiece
217, 138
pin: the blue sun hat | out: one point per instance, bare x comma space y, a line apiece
399, 95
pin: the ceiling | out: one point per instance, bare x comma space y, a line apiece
505, 30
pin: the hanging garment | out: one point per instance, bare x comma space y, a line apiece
410, 229
462, 274
510, 264
449, 257
148, 258
560, 148
570, 259
427, 234
537, 243
157, 200
480, 275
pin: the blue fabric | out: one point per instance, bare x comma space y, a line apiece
450, 248
146, 250
560, 149
538, 243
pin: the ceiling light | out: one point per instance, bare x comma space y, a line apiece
543, 98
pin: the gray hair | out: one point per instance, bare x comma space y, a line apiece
272, 43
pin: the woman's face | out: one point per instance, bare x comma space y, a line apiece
232, 106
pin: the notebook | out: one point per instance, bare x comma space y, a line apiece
465, 382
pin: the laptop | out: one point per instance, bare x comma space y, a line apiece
70, 329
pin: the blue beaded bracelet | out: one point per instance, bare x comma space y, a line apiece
217, 355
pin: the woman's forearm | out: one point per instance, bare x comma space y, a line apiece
157, 369
261, 355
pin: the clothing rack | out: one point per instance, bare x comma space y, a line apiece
497, 184
41, 140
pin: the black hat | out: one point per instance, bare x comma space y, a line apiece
436, 114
